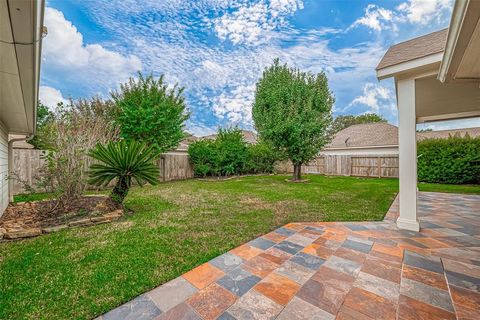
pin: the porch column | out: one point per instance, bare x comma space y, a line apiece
407, 147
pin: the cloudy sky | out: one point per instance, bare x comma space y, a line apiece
217, 49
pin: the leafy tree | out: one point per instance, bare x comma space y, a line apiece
232, 151
262, 158
124, 161
293, 112
151, 112
342, 122
45, 118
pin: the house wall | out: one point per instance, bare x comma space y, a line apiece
393, 150
3, 168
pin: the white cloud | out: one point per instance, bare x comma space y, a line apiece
252, 24
376, 18
200, 130
51, 97
376, 98
87, 64
424, 11
236, 106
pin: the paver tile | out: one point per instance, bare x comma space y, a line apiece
289, 247
382, 268
346, 313
370, 304
424, 276
275, 255
300, 240
261, 243
212, 301
227, 262
255, 306
318, 250
278, 288
203, 275
423, 262
463, 280
275, 237
344, 265
307, 260
387, 289
425, 293
323, 295
140, 308
349, 254
465, 298
335, 278
357, 246
412, 309
285, 231
298, 309
172, 293
246, 251
259, 266
238, 281
295, 272
181, 312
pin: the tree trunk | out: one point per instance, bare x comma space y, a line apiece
120, 191
297, 172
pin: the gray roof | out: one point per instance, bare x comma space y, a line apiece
415, 48
366, 135
444, 134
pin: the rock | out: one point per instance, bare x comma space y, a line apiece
54, 228
25, 233
101, 219
114, 215
2, 232
80, 223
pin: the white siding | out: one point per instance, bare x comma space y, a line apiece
3, 168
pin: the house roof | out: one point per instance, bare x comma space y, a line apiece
365, 135
423, 46
249, 136
444, 134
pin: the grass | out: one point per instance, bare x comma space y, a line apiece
449, 188
84, 272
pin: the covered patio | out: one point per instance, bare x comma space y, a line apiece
437, 77
329, 270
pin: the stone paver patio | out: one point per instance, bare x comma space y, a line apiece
365, 270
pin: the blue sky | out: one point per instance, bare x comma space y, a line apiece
217, 49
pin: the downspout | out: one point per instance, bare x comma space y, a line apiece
10, 163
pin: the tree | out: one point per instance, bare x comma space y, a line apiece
150, 112
124, 161
292, 111
45, 118
342, 122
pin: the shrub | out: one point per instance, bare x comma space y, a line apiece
230, 154
454, 160
262, 158
125, 162
149, 111
204, 157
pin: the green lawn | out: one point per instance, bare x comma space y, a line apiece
81, 273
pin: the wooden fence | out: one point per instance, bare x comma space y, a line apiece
27, 164
383, 166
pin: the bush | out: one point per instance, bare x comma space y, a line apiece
454, 160
230, 154
261, 158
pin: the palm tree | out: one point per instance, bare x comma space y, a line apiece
124, 161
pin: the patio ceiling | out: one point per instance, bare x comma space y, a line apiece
20, 32
436, 101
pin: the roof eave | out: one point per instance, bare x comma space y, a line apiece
415, 66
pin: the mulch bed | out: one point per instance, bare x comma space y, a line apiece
29, 219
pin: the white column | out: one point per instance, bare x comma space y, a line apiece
407, 147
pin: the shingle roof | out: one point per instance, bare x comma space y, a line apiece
415, 48
365, 135
443, 134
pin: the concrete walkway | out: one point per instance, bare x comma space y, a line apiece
367, 270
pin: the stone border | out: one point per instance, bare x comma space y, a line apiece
21, 233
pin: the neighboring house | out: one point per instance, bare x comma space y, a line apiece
182, 147
249, 136
364, 139
21, 27
437, 77
381, 138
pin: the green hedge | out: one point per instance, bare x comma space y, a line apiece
454, 160
230, 154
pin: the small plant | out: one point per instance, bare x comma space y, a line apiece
125, 161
